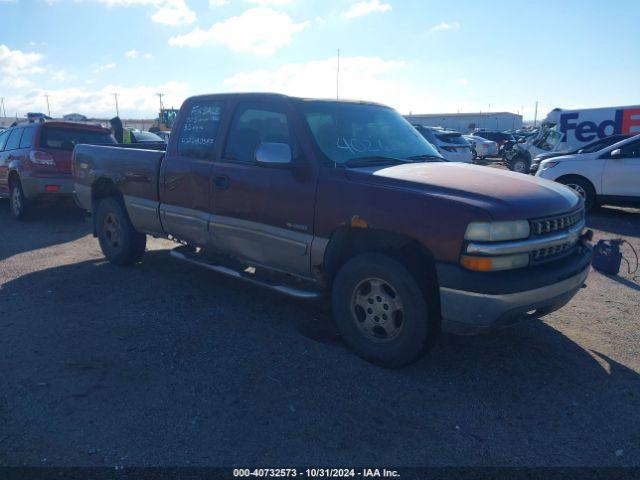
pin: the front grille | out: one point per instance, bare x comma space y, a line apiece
558, 223
551, 253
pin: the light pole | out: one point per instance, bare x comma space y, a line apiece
48, 109
115, 95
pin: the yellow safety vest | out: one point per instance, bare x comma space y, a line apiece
126, 136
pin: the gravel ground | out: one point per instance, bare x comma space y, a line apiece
168, 364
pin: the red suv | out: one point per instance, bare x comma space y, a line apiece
35, 160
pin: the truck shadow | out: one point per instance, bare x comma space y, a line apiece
169, 354
64, 222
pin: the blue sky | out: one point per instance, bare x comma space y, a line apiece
416, 55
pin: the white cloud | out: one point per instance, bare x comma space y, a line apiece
461, 81
105, 67
361, 9
134, 102
265, 3
443, 26
167, 12
16, 66
258, 30
218, 3
132, 54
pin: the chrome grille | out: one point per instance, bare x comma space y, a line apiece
543, 226
551, 253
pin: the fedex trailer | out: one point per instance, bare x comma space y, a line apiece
566, 130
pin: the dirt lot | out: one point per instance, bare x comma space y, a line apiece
166, 364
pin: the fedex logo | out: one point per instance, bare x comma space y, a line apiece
624, 121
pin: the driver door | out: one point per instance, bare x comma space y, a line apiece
621, 175
263, 214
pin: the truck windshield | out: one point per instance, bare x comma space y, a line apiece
548, 140
350, 131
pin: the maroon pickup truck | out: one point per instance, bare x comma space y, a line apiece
309, 197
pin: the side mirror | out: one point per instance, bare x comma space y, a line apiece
617, 153
274, 155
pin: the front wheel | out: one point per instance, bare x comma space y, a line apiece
583, 188
120, 242
519, 164
381, 311
18, 203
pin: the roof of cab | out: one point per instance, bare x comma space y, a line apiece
271, 95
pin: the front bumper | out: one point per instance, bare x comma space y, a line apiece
500, 303
34, 187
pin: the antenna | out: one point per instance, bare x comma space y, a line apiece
115, 95
338, 78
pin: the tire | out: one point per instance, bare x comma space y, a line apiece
405, 335
18, 203
519, 164
582, 187
120, 242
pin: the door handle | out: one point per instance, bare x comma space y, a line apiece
221, 181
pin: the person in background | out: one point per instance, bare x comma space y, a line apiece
116, 129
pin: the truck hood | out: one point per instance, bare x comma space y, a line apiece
502, 194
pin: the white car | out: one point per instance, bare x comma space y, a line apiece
451, 145
610, 175
481, 147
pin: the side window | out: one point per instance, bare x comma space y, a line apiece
27, 138
252, 125
14, 139
631, 151
3, 139
198, 136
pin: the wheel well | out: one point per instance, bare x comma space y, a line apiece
102, 188
348, 242
567, 178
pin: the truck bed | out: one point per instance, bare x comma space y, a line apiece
134, 170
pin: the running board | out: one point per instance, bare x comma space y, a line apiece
285, 289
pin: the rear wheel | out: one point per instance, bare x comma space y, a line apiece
582, 187
18, 203
381, 311
120, 242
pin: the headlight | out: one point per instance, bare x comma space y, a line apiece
492, 264
547, 165
497, 231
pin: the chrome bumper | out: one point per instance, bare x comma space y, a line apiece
468, 313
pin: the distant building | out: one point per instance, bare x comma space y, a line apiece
74, 117
467, 122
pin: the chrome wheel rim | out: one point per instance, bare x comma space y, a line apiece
112, 230
579, 190
377, 310
16, 201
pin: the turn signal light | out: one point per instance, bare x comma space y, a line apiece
488, 264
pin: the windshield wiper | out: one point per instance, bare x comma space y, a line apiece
428, 158
374, 160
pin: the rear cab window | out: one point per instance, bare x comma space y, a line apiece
198, 135
13, 141
64, 138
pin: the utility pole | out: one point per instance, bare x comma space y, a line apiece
48, 109
160, 95
338, 77
535, 115
115, 95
